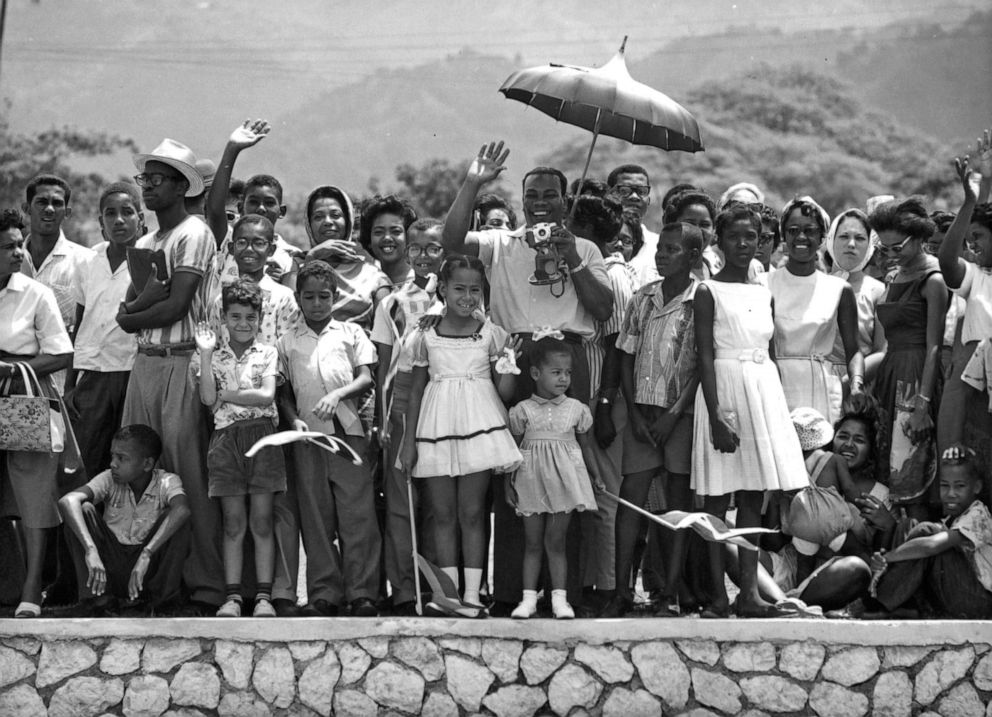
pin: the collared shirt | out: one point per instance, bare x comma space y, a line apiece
976, 288
231, 373
227, 267
57, 272
101, 344
30, 322
316, 364
280, 312
623, 283
662, 338
643, 262
129, 520
975, 526
560, 414
519, 306
396, 318
188, 247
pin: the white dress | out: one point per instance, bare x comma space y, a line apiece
747, 383
462, 427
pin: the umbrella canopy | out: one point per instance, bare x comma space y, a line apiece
606, 100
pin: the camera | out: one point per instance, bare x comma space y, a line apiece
547, 263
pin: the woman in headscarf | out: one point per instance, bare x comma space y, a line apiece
811, 310
847, 251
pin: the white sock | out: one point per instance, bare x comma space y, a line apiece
473, 579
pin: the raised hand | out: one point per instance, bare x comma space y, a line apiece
964, 174
983, 153
206, 339
488, 164
249, 134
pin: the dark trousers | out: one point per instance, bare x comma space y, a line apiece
947, 580
96, 407
163, 581
508, 527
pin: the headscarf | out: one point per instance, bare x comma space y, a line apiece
806, 199
343, 199
835, 253
759, 196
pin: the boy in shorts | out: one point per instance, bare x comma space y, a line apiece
237, 380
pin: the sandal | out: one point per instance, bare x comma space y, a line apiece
794, 604
27, 610
711, 612
765, 612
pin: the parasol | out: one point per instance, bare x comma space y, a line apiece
606, 100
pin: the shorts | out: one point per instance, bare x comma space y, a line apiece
230, 473
675, 455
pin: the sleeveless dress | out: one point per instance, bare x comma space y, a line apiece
805, 332
747, 383
907, 469
462, 425
553, 476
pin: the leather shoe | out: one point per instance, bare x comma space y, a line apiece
618, 606
319, 608
364, 607
408, 608
286, 607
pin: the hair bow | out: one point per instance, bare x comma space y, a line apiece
546, 332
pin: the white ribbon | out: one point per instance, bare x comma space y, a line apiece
546, 332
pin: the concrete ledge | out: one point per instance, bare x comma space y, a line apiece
595, 632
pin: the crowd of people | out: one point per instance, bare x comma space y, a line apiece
478, 384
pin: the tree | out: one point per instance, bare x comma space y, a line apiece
432, 186
57, 151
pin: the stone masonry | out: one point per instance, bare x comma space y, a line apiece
624, 668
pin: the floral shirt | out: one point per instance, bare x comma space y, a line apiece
231, 373
975, 526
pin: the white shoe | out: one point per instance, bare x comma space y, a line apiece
524, 610
263, 608
563, 611
232, 608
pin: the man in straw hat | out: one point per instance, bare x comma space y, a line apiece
164, 314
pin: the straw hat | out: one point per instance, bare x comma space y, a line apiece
813, 429
207, 170
179, 157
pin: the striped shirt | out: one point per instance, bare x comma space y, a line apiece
188, 247
623, 282
662, 338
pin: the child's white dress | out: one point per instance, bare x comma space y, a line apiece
747, 383
462, 426
553, 476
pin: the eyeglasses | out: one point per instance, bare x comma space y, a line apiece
431, 250
766, 237
894, 248
810, 231
625, 190
258, 244
155, 179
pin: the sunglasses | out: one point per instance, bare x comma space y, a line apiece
888, 249
810, 231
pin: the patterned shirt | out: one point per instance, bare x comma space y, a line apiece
280, 312
101, 344
397, 316
662, 338
188, 247
231, 373
975, 526
227, 267
623, 283
316, 364
58, 272
129, 520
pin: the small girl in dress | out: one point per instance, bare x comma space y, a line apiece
461, 435
743, 440
553, 480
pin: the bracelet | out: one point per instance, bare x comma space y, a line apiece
922, 397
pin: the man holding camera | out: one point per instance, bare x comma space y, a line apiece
571, 304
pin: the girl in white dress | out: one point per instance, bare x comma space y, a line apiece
743, 440
461, 433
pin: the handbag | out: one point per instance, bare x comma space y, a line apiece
31, 421
817, 514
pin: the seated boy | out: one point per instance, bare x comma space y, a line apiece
951, 560
327, 365
238, 383
134, 551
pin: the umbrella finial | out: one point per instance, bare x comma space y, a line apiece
623, 44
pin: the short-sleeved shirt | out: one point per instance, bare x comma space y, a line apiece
396, 318
316, 364
129, 520
358, 283
975, 526
101, 344
976, 289
30, 322
188, 247
623, 283
280, 312
58, 272
662, 338
517, 305
231, 373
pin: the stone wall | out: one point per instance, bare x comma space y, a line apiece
622, 668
